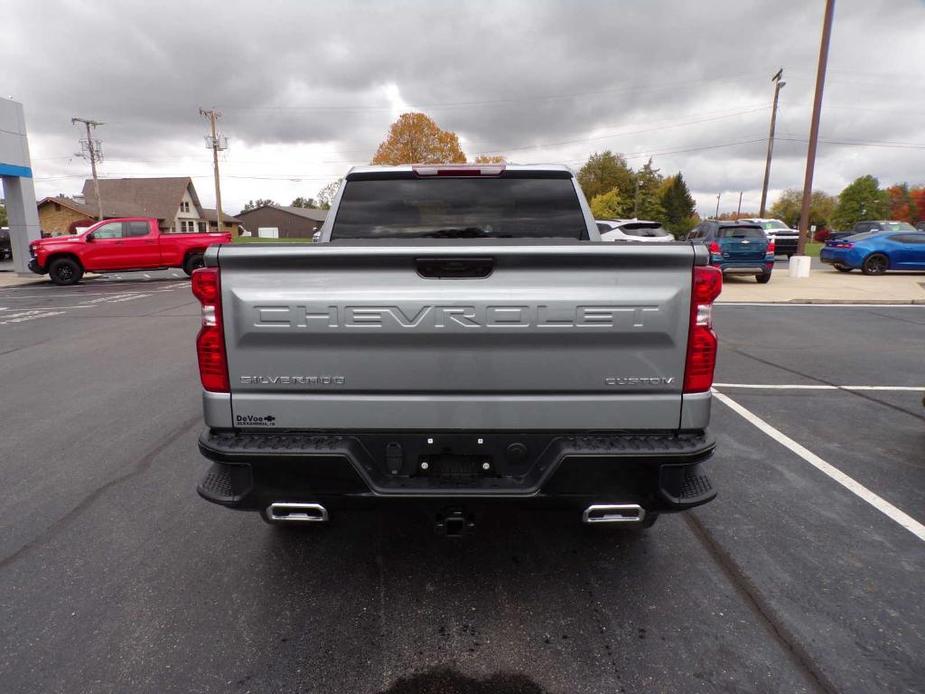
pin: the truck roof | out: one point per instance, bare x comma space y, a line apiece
408, 168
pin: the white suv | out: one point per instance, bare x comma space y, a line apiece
632, 230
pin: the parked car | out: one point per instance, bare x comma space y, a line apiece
632, 230
130, 243
785, 239
6, 246
437, 358
874, 225
875, 252
737, 247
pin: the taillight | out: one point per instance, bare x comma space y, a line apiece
714, 247
771, 247
701, 340
843, 244
210, 343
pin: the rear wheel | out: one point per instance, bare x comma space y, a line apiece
193, 261
65, 271
763, 278
875, 264
842, 268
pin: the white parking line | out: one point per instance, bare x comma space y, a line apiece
24, 316
802, 386
852, 485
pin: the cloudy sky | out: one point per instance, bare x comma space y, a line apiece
308, 89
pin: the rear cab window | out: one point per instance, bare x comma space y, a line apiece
516, 204
740, 233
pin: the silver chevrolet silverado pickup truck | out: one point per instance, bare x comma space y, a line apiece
459, 337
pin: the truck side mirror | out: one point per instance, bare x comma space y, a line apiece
89, 237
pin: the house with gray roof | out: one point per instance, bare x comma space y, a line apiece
292, 222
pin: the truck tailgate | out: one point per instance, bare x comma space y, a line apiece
523, 335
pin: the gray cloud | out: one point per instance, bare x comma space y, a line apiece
305, 87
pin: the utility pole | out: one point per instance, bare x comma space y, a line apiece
216, 143
739, 208
93, 150
716, 216
778, 84
814, 127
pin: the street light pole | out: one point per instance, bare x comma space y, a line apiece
716, 216
778, 84
814, 127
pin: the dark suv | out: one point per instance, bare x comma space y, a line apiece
740, 248
6, 248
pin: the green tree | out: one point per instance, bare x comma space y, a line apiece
648, 203
862, 199
3, 219
607, 205
787, 208
678, 207
604, 172
304, 202
326, 195
416, 139
259, 202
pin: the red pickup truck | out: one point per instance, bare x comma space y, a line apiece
128, 243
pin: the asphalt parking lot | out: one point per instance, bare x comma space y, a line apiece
804, 575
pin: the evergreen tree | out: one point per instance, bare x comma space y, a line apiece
679, 209
648, 204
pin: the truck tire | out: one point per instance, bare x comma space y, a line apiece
65, 271
875, 264
763, 278
193, 261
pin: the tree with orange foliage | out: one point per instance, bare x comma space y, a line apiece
902, 205
490, 159
416, 139
918, 198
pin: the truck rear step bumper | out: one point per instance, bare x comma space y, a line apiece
250, 471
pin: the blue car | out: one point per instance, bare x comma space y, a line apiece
875, 252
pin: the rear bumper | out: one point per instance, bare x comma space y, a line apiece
840, 256
659, 472
750, 267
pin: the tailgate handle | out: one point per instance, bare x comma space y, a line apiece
455, 268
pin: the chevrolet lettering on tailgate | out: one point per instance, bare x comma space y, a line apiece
502, 316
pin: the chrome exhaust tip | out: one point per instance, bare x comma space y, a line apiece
614, 513
284, 512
